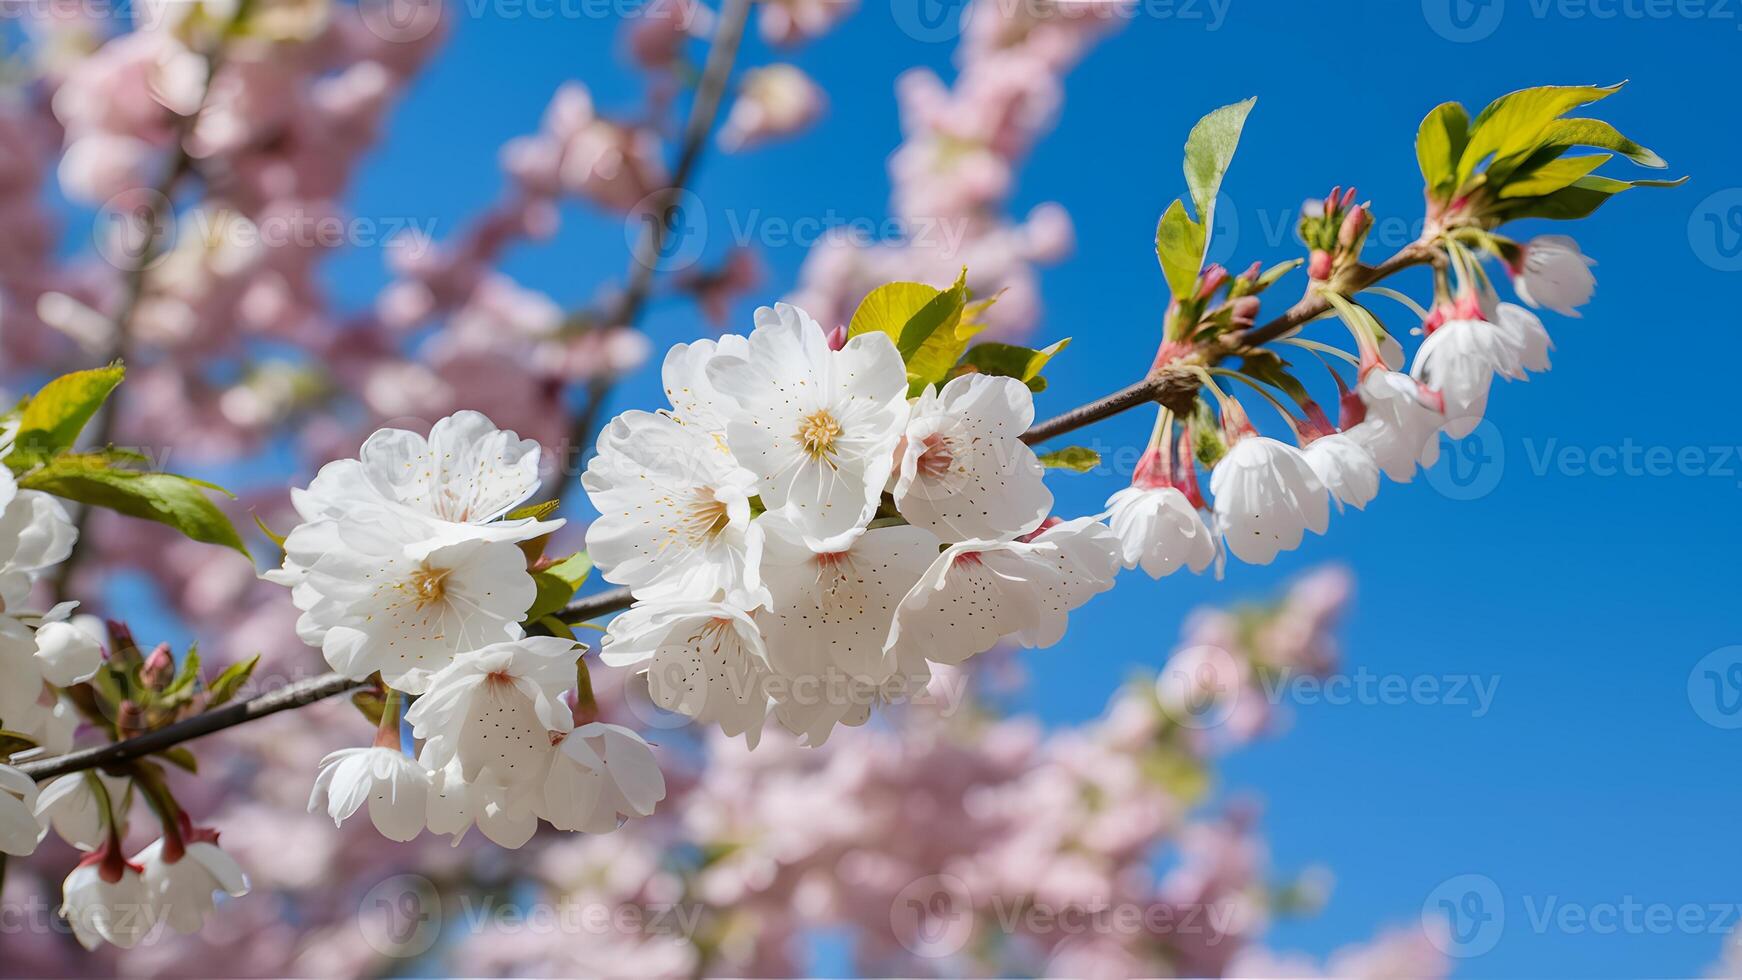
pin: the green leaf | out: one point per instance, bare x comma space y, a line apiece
1209, 149
1513, 124
537, 512
1179, 244
574, 569
53, 418
1439, 144
555, 627
554, 593
370, 702
1577, 200
177, 501
187, 676
1600, 135
1012, 361
1552, 176
1075, 458
181, 758
225, 686
930, 326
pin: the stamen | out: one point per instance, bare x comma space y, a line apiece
818, 434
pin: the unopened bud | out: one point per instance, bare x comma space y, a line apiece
129, 719
838, 337
1354, 226
1246, 311
1319, 265
159, 668
1212, 280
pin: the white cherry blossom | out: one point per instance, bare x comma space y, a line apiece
1460, 359
495, 709
35, 535
601, 775
394, 785
1550, 271
1266, 497
978, 592
1402, 423
1160, 531
1346, 468
456, 804
818, 427
68, 654
694, 400
108, 901
1523, 332
705, 660
181, 890
395, 592
674, 512
963, 471
20, 830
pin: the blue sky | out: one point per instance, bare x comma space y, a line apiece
1586, 592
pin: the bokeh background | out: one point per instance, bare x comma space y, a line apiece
1556, 600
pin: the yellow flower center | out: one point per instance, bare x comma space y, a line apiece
429, 585
818, 433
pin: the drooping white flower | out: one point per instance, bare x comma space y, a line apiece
705, 660
1522, 330
456, 804
20, 830
978, 592
694, 400
108, 901
71, 805
818, 427
495, 709
1552, 272
52, 727
1346, 468
601, 775
391, 591
1266, 498
21, 691
674, 512
182, 890
395, 786
1160, 530
1460, 359
963, 472
1401, 426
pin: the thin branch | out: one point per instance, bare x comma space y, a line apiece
1170, 386
657, 228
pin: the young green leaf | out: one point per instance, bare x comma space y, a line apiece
1552, 176
1597, 134
225, 686
1209, 150
1439, 143
1179, 244
1513, 125
53, 418
1078, 459
180, 757
537, 512
177, 501
1010, 360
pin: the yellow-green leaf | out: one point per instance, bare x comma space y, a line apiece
53, 418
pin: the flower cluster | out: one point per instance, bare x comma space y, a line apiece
411, 566
803, 539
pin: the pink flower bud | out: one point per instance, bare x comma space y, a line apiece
838, 337
1212, 280
1246, 311
1319, 264
159, 668
1354, 226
